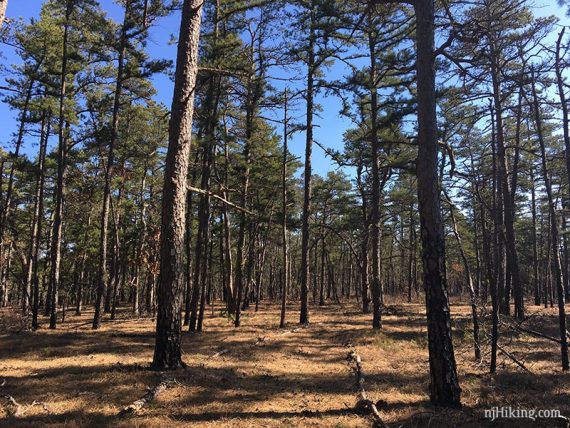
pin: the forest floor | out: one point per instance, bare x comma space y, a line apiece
261, 376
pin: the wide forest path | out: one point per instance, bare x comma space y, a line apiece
263, 376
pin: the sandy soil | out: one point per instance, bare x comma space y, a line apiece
261, 376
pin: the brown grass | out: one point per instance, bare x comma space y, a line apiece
269, 377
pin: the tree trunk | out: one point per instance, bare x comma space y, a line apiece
308, 171
7, 205
555, 236
102, 274
37, 230
503, 171
60, 181
376, 188
37, 212
535, 278
167, 351
469, 277
444, 385
285, 249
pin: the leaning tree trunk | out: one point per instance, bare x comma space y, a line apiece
554, 233
167, 351
444, 385
469, 277
7, 203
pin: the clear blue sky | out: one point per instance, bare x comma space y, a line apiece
330, 125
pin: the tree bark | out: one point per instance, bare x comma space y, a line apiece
308, 171
167, 351
444, 385
376, 187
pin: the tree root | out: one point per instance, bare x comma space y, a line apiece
364, 402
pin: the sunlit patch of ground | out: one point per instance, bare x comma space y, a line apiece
267, 377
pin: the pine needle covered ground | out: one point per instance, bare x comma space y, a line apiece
261, 376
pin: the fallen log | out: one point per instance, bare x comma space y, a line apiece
512, 358
537, 334
220, 353
40, 403
149, 397
364, 402
13, 408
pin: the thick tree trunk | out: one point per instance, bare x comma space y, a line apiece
167, 351
444, 385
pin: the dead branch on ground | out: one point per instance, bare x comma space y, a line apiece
364, 401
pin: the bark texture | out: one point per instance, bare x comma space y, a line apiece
167, 351
444, 385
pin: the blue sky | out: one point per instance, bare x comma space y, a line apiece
330, 126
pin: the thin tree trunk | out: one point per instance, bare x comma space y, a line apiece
555, 236
39, 213
7, 205
38, 205
285, 249
469, 277
503, 171
60, 182
102, 274
535, 278
376, 188
308, 171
